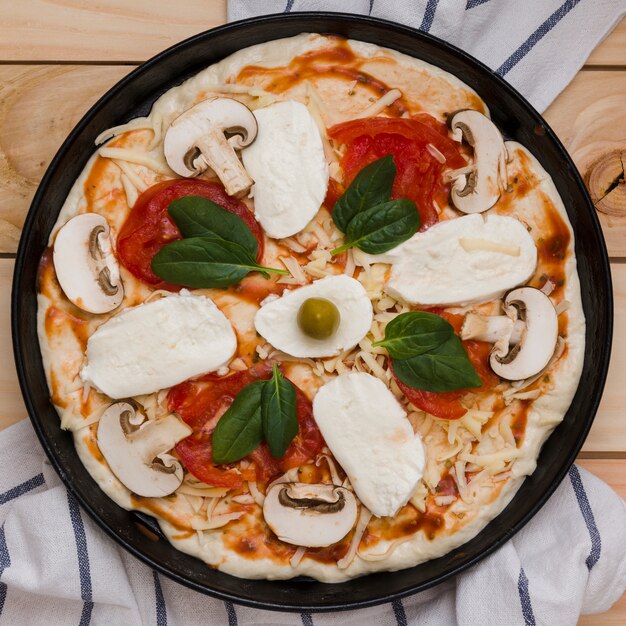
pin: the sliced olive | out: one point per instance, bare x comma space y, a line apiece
318, 318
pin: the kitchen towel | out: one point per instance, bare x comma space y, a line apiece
536, 45
58, 568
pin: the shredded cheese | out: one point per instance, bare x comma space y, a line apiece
137, 157
380, 105
364, 519
474, 244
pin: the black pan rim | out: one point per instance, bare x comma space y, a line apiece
301, 20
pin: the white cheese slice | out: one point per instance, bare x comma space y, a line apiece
156, 345
474, 258
287, 164
369, 434
277, 319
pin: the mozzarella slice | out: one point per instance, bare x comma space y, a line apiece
369, 434
277, 320
461, 261
288, 166
156, 345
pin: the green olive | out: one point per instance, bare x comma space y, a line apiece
318, 318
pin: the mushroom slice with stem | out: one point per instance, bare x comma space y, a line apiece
206, 136
314, 516
525, 338
136, 449
479, 189
85, 265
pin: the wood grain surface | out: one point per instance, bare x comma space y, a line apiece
57, 57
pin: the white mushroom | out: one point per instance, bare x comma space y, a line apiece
310, 515
478, 190
135, 449
525, 338
197, 140
85, 265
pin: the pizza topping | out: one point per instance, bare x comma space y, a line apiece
219, 249
85, 265
149, 227
289, 168
196, 141
311, 515
277, 320
435, 268
492, 328
480, 189
361, 420
538, 341
135, 449
318, 318
156, 345
427, 354
371, 221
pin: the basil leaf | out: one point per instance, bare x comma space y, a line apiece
197, 217
382, 227
371, 186
278, 411
240, 430
445, 368
206, 262
414, 333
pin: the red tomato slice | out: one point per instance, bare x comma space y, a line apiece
419, 173
148, 226
200, 403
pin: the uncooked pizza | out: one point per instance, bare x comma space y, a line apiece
314, 313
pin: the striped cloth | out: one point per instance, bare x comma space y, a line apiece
537, 45
58, 568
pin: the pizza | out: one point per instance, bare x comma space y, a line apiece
314, 313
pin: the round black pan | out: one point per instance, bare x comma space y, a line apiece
132, 97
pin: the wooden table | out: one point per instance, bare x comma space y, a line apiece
56, 59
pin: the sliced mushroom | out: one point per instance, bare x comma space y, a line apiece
197, 140
478, 190
85, 265
492, 328
136, 449
310, 515
524, 339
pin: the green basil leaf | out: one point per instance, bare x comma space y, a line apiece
206, 262
445, 368
382, 227
240, 430
371, 186
414, 333
278, 411
197, 217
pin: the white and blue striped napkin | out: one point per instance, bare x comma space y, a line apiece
57, 567
536, 45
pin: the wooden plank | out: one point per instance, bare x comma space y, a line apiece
39, 105
589, 118
608, 434
109, 30
116, 30
611, 50
12, 407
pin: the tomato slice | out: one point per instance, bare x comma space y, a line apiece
447, 405
200, 403
149, 227
419, 173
